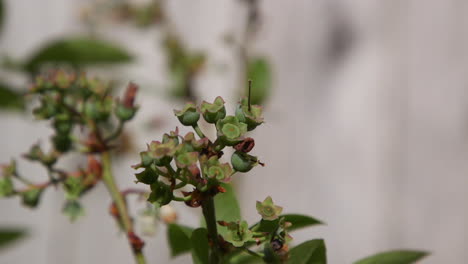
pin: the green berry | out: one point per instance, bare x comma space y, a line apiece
188, 116
243, 162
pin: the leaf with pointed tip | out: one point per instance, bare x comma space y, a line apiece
8, 236
77, 52
298, 221
394, 257
199, 244
309, 252
178, 237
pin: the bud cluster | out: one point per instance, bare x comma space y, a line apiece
178, 162
76, 106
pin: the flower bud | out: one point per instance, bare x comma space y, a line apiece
31, 197
126, 109
62, 126
6, 187
215, 170
186, 159
47, 109
238, 234
62, 143
123, 113
173, 135
162, 153
243, 162
36, 154
230, 130
188, 116
268, 210
73, 210
213, 112
98, 109
252, 115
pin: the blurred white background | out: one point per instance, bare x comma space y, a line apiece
366, 129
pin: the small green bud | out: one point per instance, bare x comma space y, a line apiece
63, 124
98, 110
74, 187
6, 187
126, 109
238, 234
268, 210
173, 135
191, 144
213, 112
73, 209
47, 109
230, 130
251, 116
125, 113
62, 143
162, 153
188, 116
243, 162
215, 170
31, 197
146, 159
185, 159
36, 154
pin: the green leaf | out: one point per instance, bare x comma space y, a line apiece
259, 71
78, 52
226, 205
8, 236
309, 252
178, 237
394, 257
10, 99
200, 250
2, 14
298, 221
244, 258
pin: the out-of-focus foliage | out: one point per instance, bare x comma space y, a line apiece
9, 98
259, 71
309, 252
394, 257
10, 235
2, 13
77, 52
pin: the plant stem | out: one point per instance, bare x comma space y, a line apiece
119, 201
210, 219
198, 131
116, 133
253, 253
